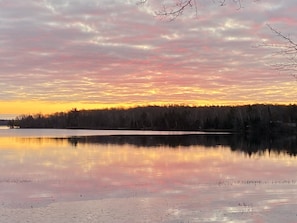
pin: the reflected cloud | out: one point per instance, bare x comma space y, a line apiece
192, 177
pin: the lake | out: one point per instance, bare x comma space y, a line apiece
145, 176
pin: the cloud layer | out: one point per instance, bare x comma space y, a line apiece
114, 52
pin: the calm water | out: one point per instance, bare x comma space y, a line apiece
143, 176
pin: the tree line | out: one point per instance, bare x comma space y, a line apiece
3, 122
247, 118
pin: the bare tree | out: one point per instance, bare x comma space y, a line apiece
288, 49
176, 10
170, 10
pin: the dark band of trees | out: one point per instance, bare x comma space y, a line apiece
249, 118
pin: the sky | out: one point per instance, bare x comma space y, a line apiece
56, 55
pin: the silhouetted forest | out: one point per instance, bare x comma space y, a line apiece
3, 122
257, 118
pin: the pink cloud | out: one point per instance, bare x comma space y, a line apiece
116, 52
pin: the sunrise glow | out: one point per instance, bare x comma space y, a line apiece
85, 55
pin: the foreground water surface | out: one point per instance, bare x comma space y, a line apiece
144, 176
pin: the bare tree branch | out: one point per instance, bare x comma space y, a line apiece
173, 12
292, 44
288, 49
177, 7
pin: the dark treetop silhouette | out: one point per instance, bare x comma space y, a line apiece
264, 119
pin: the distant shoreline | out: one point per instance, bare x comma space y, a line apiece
4, 122
250, 119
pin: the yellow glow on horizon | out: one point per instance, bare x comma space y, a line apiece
46, 107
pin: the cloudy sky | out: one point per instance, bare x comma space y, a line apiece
59, 54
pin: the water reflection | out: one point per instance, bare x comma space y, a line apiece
240, 143
195, 178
